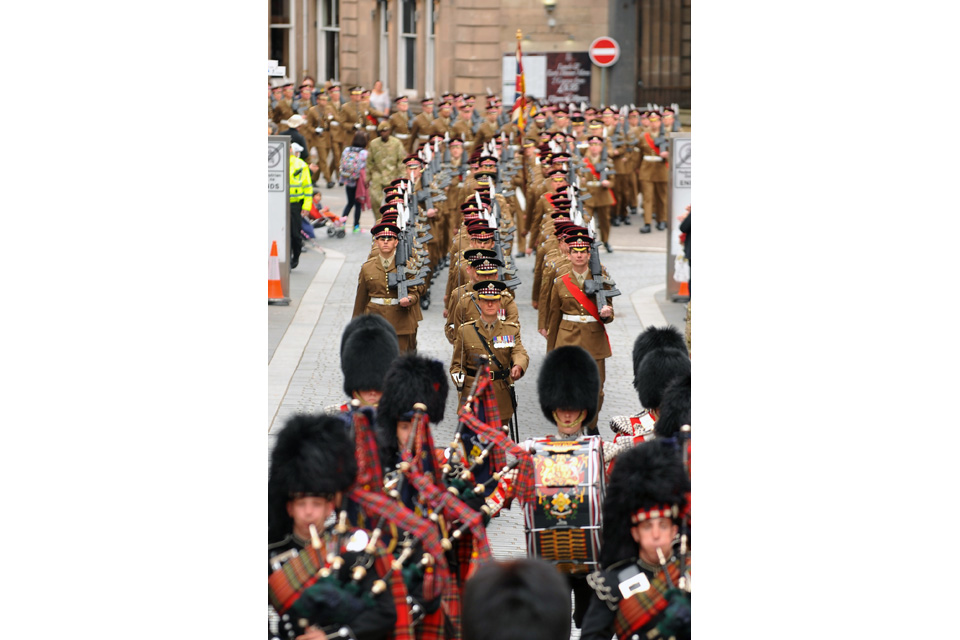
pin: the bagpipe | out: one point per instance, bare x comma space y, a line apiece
323, 585
476, 460
421, 553
337, 577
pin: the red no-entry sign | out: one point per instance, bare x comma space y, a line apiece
604, 51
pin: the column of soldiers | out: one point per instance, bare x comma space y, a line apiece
471, 192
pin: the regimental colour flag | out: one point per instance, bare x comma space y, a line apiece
519, 105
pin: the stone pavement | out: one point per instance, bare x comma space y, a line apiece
304, 338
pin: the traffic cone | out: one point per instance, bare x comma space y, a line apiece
274, 288
684, 290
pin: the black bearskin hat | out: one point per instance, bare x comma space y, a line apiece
368, 346
569, 379
656, 370
674, 408
647, 476
313, 456
656, 338
411, 379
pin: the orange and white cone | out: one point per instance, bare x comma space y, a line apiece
274, 287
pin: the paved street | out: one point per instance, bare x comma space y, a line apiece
304, 338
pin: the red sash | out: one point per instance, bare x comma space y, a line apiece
655, 148
596, 174
587, 304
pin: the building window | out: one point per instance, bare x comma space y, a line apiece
431, 48
281, 35
407, 57
384, 74
329, 41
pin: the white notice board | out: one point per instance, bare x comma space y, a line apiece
278, 202
678, 197
534, 77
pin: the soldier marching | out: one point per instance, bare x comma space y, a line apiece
464, 187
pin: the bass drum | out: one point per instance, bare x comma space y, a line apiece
563, 522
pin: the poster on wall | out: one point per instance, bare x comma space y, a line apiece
568, 77
559, 76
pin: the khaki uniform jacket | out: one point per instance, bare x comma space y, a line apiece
504, 341
554, 266
486, 132
349, 117
419, 131
600, 196
589, 335
651, 170
372, 283
457, 275
317, 118
463, 129
463, 307
400, 126
331, 127
283, 111
441, 126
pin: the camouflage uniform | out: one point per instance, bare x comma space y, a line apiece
384, 164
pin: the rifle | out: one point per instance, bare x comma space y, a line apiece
594, 287
405, 248
508, 273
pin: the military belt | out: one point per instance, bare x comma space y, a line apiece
653, 158
402, 136
385, 301
578, 318
494, 375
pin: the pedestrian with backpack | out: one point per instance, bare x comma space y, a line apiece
353, 161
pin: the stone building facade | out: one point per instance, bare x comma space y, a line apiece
425, 47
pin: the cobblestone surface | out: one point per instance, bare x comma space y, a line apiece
317, 381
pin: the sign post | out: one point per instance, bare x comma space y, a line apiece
678, 197
278, 204
604, 52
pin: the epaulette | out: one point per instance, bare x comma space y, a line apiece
468, 322
512, 324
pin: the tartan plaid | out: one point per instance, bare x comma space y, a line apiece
451, 608
640, 609
488, 411
369, 472
423, 442
421, 528
287, 583
403, 629
525, 477
454, 510
431, 627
